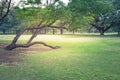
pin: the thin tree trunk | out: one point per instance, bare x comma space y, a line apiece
53, 31
45, 31
61, 31
73, 31
33, 36
4, 31
118, 33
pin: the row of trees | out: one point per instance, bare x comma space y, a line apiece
101, 15
36, 15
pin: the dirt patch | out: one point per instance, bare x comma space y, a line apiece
16, 55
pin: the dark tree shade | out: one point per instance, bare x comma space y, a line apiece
5, 6
116, 4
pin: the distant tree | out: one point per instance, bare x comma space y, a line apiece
84, 12
103, 21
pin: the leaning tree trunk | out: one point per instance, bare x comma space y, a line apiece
29, 43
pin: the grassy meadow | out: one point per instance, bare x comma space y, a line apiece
79, 58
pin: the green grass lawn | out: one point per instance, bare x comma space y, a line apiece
79, 58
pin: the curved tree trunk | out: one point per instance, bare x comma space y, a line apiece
101, 29
13, 46
29, 43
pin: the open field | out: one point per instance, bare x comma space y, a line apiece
79, 58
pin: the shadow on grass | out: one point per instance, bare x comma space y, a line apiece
9, 57
17, 55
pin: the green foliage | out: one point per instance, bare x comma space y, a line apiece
85, 7
34, 1
31, 16
76, 15
116, 4
27, 16
8, 22
82, 11
51, 13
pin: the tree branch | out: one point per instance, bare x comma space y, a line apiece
30, 44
